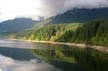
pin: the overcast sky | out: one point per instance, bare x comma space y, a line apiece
10, 9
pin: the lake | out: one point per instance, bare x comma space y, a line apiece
26, 56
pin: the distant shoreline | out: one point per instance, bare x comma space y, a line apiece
99, 48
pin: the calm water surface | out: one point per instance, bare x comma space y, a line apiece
25, 56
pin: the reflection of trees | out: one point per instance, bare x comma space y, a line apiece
91, 59
53, 55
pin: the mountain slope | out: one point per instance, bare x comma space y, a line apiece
15, 25
75, 16
80, 15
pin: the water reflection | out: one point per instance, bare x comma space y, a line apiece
15, 44
9, 64
73, 58
48, 57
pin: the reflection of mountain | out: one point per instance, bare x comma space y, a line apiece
16, 25
16, 53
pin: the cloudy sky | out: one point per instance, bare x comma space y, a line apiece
10, 9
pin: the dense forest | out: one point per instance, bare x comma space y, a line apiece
49, 32
94, 33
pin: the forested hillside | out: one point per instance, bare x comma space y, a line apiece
94, 32
50, 32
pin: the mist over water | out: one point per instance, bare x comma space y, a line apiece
9, 64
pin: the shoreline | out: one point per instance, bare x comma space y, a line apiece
99, 48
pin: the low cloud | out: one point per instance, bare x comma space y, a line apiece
48, 8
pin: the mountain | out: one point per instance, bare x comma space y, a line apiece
16, 25
75, 16
80, 16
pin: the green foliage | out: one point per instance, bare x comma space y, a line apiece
41, 24
94, 32
50, 32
